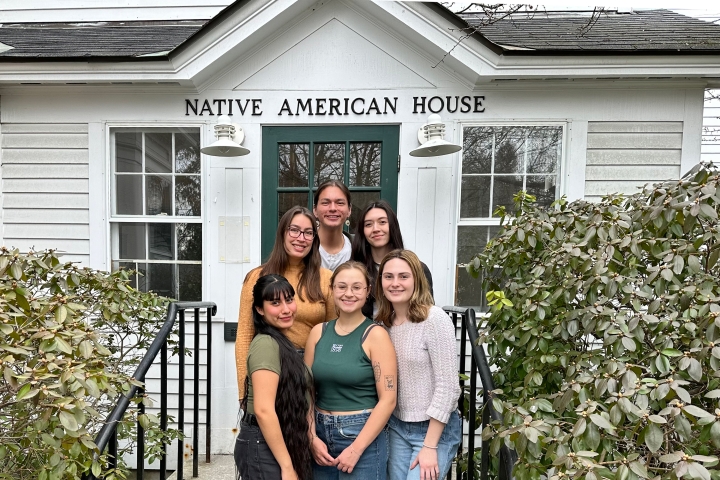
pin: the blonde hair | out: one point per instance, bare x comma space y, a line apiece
420, 300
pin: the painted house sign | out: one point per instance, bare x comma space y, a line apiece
334, 106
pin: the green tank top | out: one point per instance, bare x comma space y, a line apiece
344, 379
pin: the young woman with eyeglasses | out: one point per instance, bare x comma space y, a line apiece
294, 256
272, 442
377, 233
332, 208
354, 371
425, 426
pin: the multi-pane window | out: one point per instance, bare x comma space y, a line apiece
156, 222
356, 164
297, 160
498, 162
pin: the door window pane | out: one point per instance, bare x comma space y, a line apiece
187, 195
360, 200
293, 164
187, 152
128, 152
329, 162
129, 194
157, 192
288, 200
365, 164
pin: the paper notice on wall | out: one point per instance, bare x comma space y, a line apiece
232, 235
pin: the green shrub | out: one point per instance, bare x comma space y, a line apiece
70, 338
604, 329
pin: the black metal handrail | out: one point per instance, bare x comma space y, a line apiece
107, 437
478, 366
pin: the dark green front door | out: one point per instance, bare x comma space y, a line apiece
298, 159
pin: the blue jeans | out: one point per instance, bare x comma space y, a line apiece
338, 432
406, 439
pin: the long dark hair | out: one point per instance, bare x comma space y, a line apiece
309, 282
291, 403
361, 250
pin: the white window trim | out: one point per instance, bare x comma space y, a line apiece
110, 194
457, 181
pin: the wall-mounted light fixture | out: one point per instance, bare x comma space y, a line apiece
432, 141
229, 138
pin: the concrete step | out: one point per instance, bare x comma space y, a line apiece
221, 467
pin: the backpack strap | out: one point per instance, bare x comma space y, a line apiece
324, 327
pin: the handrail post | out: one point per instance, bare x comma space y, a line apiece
196, 391
181, 395
163, 406
141, 437
479, 367
208, 394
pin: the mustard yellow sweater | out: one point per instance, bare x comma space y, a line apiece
308, 315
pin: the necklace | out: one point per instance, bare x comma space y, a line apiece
341, 328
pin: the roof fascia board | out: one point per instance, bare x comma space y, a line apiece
213, 41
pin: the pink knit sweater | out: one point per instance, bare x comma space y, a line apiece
428, 383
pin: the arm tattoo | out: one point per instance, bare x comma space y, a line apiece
389, 382
376, 371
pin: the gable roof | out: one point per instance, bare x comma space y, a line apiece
53, 41
639, 32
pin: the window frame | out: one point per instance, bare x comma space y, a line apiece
110, 188
490, 221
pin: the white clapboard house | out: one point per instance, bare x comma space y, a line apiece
101, 125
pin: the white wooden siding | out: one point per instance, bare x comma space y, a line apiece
45, 184
710, 149
622, 156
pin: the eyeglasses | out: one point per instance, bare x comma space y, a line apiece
295, 232
355, 289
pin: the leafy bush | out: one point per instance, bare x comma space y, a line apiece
69, 339
604, 327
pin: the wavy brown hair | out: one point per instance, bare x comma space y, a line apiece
278, 262
421, 299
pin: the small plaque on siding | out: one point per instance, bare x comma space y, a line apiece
232, 232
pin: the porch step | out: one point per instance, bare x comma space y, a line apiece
221, 467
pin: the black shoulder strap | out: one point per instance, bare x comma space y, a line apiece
324, 327
367, 332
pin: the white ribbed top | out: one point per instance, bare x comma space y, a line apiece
428, 383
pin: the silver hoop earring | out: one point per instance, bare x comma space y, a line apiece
347, 222
317, 223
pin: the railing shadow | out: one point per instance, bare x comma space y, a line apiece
478, 366
107, 437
